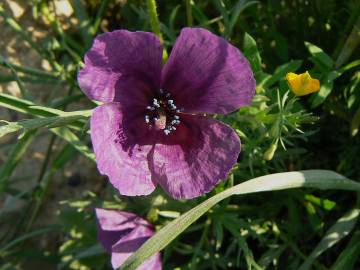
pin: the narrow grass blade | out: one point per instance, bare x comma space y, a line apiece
27, 236
99, 16
251, 52
320, 179
349, 256
49, 122
338, 231
14, 157
29, 70
74, 140
26, 106
280, 73
240, 6
319, 55
18, 29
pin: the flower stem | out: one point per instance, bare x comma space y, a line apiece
154, 18
155, 24
189, 17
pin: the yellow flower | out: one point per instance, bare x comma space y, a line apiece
302, 84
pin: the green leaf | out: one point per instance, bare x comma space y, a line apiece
26, 236
71, 138
325, 89
49, 122
320, 55
28, 107
84, 21
338, 231
349, 255
281, 72
270, 255
323, 203
18, 29
321, 179
355, 123
17, 151
251, 52
241, 5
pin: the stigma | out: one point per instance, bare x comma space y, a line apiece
162, 113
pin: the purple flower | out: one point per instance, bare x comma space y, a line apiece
153, 129
122, 233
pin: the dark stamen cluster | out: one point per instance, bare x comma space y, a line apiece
163, 113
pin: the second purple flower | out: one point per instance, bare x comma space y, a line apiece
152, 129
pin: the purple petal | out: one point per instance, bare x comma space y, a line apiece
192, 160
128, 244
121, 144
205, 73
122, 64
112, 225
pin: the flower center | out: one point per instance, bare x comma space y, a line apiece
162, 114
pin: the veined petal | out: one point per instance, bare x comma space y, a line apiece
207, 74
192, 160
121, 144
128, 244
122, 64
122, 233
112, 225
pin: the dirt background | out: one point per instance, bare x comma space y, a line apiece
76, 178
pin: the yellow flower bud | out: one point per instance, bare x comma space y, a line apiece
302, 84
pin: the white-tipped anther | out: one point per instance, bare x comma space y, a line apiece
166, 131
156, 103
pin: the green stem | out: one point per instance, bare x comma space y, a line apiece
99, 16
28, 70
189, 17
14, 157
155, 24
154, 18
199, 245
352, 42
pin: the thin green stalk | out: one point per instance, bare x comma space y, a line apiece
28, 107
352, 42
47, 158
29, 70
14, 157
24, 92
25, 237
33, 80
355, 12
154, 18
199, 245
189, 18
99, 16
18, 29
155, 23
